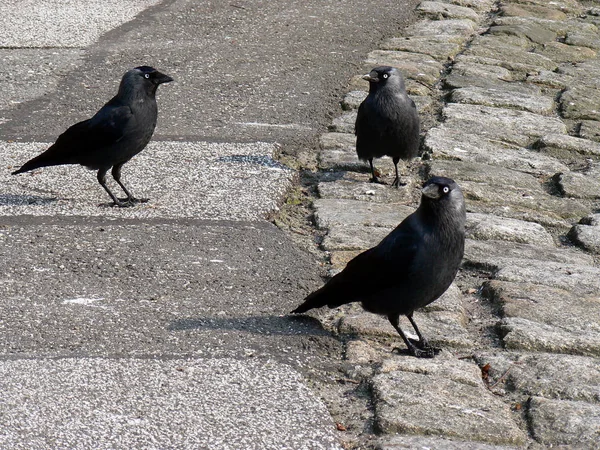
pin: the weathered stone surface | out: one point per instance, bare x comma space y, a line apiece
550, 79
529, 29
536, 318
523, 334
567, 6
360, 352
590, 129
584, 37
569, 143
439, 10
417, 66
578, 279
456, 29
483, 173
445, 407
493, 254
344, 123
559, 27
398, 442
580, 103
579, 185
477, 75
509, 125
521, 204
365, 191
353, 99
461, 145
446, 366
338, 151
586, 237
479, 5
520, 64
353, 237
562, 422
581, 72
437, 47
541, 12
562, 377
544, 303
532, 101
354, 212
565, 53
488, 227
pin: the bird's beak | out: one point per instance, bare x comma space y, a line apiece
431, 191
371, 77
162, 78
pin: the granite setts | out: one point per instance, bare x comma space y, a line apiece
519, 129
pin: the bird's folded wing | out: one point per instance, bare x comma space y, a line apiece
382, 267
104, 129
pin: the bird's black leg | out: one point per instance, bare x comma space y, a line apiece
374, 178
412, 348
396, 182
102, 180
423, 343
116, 173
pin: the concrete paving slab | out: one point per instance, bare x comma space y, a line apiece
141, 403
33, 72
58, 23
222, 181
90, 286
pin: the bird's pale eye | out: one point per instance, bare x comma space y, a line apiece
385, 75
146, 75
446, 189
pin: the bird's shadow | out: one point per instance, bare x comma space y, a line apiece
22, 200
286, 325
260, 160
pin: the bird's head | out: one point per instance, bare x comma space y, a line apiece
151, 75
142, 79
444, 196
384, 76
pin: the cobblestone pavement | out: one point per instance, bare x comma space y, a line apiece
509, 97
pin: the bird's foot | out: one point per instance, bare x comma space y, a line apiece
134, 200
397, 183
418, 352
425, 346
122, 204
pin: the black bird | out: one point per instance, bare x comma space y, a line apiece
117, 132
387, 123
410, 268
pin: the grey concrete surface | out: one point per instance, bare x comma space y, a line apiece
223, 181
100, 304
245, 71
90, 286
56, 23
143, 403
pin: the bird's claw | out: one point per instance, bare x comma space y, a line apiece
418, 349
128, 202
397, 184
134, 200
425, 345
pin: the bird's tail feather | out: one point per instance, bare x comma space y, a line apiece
322, 297
42, 160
